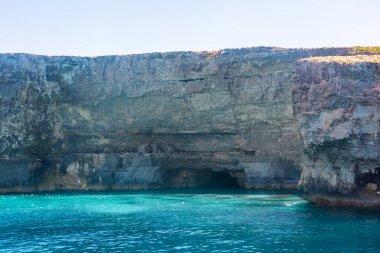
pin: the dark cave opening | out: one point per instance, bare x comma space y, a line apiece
363, 179
202, 179
220, 180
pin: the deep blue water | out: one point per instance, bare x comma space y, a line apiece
182, 221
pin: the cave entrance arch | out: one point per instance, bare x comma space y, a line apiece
220, 180
203, 179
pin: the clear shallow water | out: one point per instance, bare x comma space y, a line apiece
187, 221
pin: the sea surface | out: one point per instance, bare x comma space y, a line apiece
182, 221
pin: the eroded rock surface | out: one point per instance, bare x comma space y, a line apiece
153, 120
337, 104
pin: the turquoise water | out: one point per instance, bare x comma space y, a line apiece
188, 221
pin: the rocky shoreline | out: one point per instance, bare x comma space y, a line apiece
253, 118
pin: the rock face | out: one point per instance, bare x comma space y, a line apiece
149, 121
337, 103
186, 119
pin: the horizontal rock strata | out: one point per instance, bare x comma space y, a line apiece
149, 121
190, 119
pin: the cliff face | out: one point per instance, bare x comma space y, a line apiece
186, 119
337, 103
150, 121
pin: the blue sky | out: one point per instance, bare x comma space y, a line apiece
103, 27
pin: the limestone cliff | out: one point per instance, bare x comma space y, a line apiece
184, 119
337, 103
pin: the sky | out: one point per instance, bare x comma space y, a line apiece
108, 27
